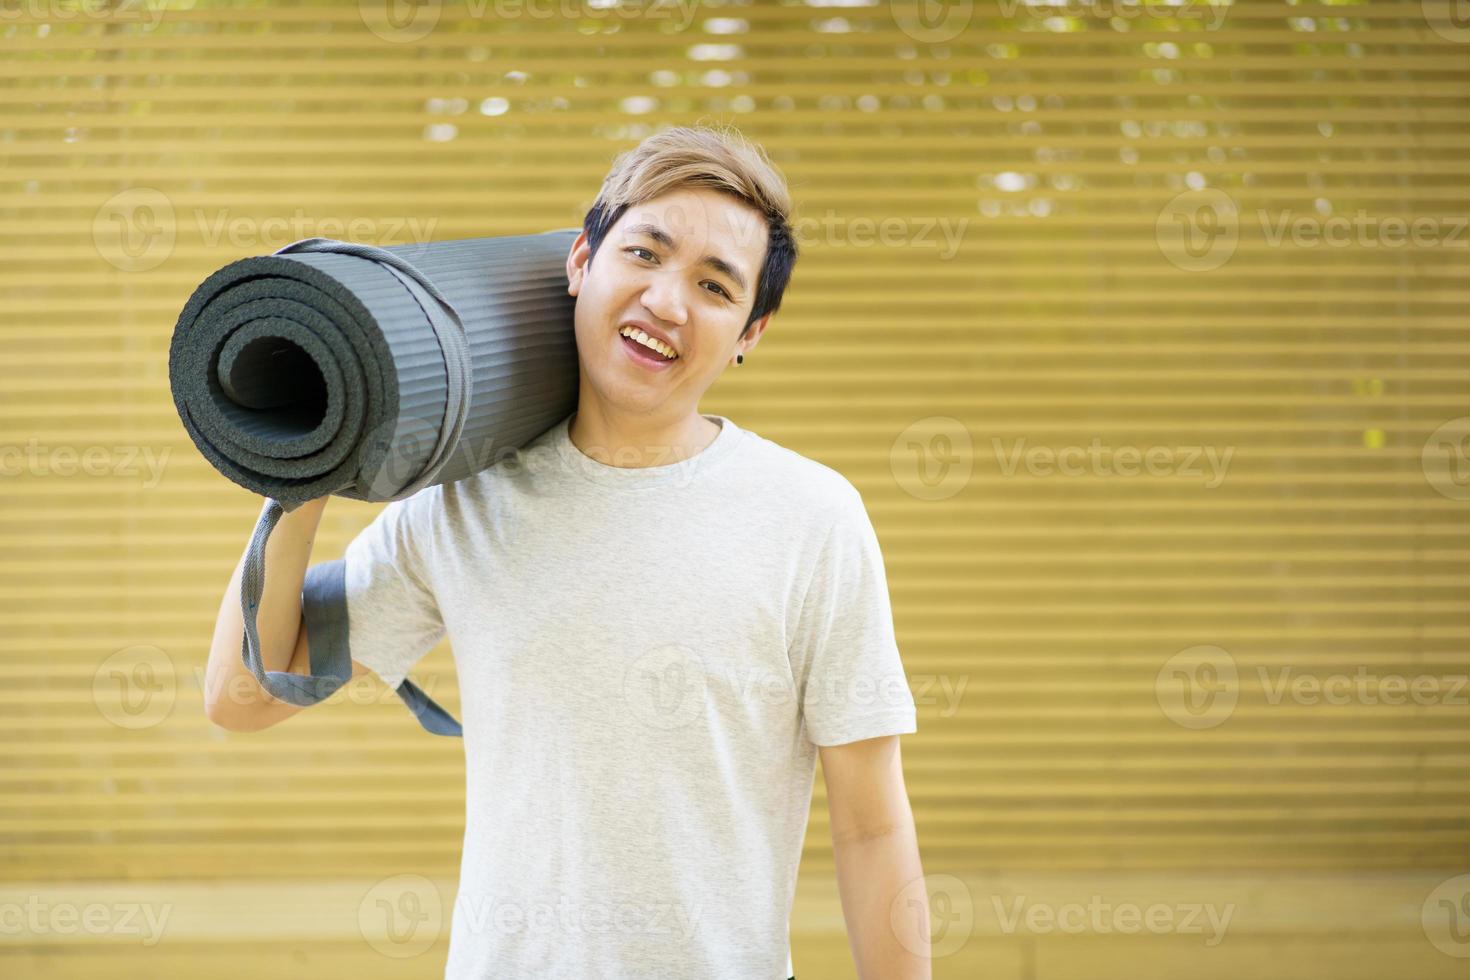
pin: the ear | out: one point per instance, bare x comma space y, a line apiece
577, 259
752, 336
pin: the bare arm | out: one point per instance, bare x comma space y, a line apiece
233, 698
877, 856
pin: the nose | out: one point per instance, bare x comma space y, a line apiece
664, 298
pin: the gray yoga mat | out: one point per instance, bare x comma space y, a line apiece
335, 368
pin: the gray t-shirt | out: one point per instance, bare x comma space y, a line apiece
648, 659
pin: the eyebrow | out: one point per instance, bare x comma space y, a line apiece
711, 261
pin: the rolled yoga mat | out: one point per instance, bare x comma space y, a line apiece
371, 373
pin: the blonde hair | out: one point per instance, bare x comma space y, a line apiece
704, 156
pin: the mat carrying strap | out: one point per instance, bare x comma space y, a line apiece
331, 661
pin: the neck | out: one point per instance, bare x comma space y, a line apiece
634, 442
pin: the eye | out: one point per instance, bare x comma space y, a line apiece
722, 292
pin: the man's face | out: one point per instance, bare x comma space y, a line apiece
683, 267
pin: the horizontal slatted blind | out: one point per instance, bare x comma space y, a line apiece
1097, 312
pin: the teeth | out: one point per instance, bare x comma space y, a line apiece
649, 342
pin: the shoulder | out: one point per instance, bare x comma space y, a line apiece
821, 493
459, 514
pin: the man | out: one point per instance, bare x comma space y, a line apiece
659, 619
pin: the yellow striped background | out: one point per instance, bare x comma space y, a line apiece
1036, 239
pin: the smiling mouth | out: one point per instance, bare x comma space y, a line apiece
653, 347
645, 358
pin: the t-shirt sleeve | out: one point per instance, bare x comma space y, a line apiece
852, 682
393, 617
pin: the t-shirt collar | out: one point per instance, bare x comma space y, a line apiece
677, 472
